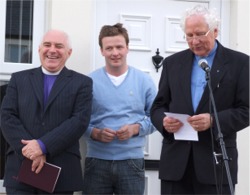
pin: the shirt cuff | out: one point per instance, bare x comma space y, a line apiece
42, 146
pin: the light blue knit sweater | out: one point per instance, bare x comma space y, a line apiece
116, 106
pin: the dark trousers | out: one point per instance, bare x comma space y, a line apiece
189, 185
32, 191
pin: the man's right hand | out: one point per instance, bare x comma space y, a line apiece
38, 163
103, 135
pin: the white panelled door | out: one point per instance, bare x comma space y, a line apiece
151, 24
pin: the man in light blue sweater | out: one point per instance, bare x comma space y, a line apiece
122, 98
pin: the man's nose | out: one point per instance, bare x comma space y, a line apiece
115, 51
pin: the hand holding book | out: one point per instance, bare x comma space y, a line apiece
45, 180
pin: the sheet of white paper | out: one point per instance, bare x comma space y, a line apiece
186, 132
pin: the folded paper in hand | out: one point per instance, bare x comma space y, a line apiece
45, 180
186, 132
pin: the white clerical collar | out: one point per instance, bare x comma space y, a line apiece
50, 73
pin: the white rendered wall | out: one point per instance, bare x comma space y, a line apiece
74, 17
239, 40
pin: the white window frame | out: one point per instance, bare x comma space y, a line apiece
7, 68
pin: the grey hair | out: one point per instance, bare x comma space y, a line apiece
68, 40
210, 16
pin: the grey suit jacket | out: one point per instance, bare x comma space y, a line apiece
230, 85
59, 125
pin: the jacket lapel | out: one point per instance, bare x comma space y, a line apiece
218, 70
186, 73
36, 79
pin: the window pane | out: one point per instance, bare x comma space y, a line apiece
19, 31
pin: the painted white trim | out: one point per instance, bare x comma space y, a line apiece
2, 189
38, 30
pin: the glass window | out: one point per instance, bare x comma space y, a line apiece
22, 24
18, 31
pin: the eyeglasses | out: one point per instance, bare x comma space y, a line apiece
199, 37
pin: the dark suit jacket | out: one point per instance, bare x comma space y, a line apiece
3, 144
230, 85
59, 125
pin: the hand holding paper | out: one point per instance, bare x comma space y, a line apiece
186, 132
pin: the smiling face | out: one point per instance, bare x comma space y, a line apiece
115, 50
54, 50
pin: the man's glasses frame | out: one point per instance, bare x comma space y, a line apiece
199, 37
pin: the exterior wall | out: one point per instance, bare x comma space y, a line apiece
239, 40
76, 18
239, 29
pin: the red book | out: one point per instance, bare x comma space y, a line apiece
45, 180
